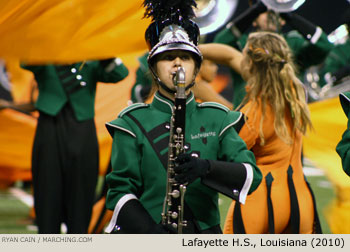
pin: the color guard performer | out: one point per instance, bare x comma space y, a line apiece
276, 117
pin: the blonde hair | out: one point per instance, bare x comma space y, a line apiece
272, 80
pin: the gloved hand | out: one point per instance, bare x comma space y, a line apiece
162, 229
189, 168
301, 24
133, 218
106, 62
341, 73
245, 20
145, 91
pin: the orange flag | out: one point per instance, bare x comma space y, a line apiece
63, 31
330, 122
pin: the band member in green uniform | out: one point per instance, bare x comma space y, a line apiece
141, 89
65, 157
343, 147
307, 41
337, 64
215, 157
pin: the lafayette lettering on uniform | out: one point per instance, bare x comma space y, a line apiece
203, 134
204, 243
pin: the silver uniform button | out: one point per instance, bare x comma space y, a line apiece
79, 77
235, 192
116, 228
83, 83
118, 61
194, 155
73, 70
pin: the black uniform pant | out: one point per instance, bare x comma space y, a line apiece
65, 169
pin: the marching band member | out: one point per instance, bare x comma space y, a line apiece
214, 159
336, 66
343, 147
65, 150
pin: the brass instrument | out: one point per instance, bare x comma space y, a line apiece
213, 14
283, 5
331, 89
173, 207
275, 7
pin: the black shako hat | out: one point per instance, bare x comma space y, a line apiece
172, 28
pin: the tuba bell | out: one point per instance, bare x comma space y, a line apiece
213, 14
276, 7
283, 5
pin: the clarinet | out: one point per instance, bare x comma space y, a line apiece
173, 207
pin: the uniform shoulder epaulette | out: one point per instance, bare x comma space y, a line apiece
235, 119
213, 105
133, 107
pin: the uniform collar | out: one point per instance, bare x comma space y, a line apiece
166, 105
345, 102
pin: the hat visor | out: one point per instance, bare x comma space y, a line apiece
345, 102
175, 46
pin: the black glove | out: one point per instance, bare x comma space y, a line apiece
189, 168
104, 63
341, 73
226, 177
163, 229
302, 25
244, 20
133, 218
145, 91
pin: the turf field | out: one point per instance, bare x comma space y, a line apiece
15, 203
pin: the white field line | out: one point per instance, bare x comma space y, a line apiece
26, 198
312, 171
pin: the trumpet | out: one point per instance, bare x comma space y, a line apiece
173, 206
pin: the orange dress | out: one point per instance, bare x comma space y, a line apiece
275, 213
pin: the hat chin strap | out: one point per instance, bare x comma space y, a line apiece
160, 83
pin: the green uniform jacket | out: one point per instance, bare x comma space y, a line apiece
306, 53
140, 172
59, 84
336, 59
343, 147
143, 81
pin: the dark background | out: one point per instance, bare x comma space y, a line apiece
327, 14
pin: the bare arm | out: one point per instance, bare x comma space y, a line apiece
222, 54
203, 91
